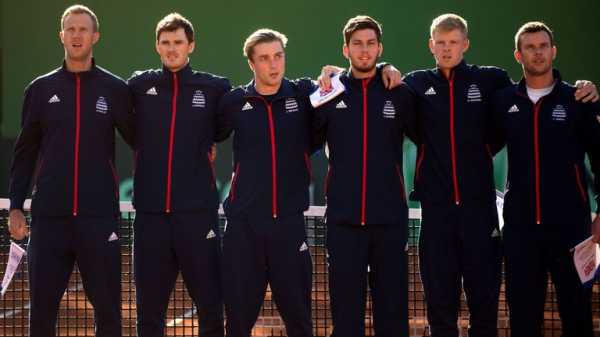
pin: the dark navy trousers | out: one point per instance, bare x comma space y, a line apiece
261, 252
531, 252
373, 256
55, 244
166, 244
459, 248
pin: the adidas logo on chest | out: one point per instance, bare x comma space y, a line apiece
247, 106
54, 99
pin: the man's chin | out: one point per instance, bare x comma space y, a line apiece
538, 72
78, 57
364, 68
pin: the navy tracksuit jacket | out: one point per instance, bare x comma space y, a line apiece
175, 123
367, 214
175, 195
66, 151
271, 154
454, 182
546, 208
66, 146
265, 240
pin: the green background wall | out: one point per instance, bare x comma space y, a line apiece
30, 45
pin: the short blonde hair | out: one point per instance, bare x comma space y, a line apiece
79, 9
261, 36
448, 22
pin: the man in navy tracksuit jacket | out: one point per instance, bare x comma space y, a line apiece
265, 238
459, 236
66, 150
175, 195
367, 213
546, 208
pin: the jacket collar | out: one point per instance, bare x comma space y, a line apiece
285, 90
459, 70
82, 74
349, 79
182, 74
522, 85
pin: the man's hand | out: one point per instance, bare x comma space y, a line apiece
586, 92
391, 77
213, 153
17, 224
596, 229
325, 77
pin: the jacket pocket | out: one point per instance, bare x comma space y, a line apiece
326, 182
212, 171
308, 167
236, 173
401, 179
419, 163
582, 191
115, 178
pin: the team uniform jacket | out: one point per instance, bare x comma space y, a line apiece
66, 147
271, 149
175, 119
546, 144
454, 161
364, 129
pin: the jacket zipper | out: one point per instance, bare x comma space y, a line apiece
171, 140
363, 199
273, 159
77, 134
453, 142
536, 153
273, 155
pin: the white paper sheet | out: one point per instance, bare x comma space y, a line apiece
319, 97
15, 255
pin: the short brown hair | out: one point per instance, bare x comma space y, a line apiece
533, 27
261, 36
173, 22
361, 22
449, 22
79, 9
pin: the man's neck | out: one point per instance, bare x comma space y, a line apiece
539, 81
362, 74
77, 66
266, 90
174, 70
